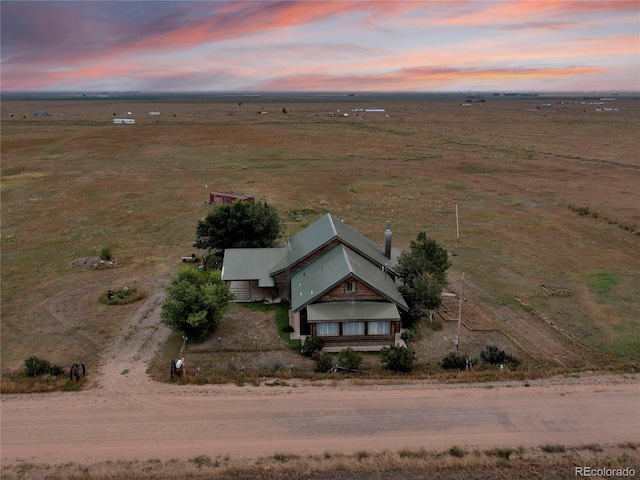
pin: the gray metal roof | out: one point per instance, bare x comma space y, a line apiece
352, 311
251, 264
322, 232
336, 266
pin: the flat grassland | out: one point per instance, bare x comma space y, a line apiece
548, 205
549, 215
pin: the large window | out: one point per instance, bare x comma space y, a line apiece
328, 328
379, 328
353, 328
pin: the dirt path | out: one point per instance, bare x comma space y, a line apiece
124, 364
129, 417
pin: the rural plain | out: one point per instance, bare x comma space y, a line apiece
549, 234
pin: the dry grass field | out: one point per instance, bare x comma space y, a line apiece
547, 283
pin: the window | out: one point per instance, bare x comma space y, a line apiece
379, 328
353, 328
328, 328
350, 287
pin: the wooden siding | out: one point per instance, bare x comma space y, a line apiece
362, 293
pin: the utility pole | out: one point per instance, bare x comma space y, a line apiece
457, 227
460, 313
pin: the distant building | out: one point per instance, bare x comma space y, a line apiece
222, 198
374, 112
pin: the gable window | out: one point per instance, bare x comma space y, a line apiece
350, 287
328, 328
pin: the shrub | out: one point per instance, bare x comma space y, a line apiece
35, 366
106, 254
288, 329
324, 361
311, 345
397, 359
409, 336
350, 359
456, 451
549, 448
454, 361
494, 356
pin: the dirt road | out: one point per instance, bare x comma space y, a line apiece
126, 416
251, 422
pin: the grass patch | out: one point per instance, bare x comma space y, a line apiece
602, 281
549, 448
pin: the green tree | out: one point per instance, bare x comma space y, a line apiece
238, 225
423, 269
195, 303
397, 359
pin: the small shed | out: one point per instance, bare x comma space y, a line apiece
223, 198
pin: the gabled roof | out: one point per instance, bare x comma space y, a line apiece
334, 267
323, 231
251, 264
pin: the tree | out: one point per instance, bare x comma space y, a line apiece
424, 271
238, 225
195, 303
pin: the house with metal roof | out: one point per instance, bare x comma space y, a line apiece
341, 285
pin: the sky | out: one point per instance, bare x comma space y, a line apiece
315, 46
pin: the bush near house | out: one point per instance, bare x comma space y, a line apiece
397, 359
350, 359
311, 345
324, 361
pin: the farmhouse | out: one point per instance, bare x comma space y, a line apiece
341, 286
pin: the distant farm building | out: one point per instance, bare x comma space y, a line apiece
154, 113
374, 112
124, 120
42, 113
222, 198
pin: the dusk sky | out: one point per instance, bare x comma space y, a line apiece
349, 46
